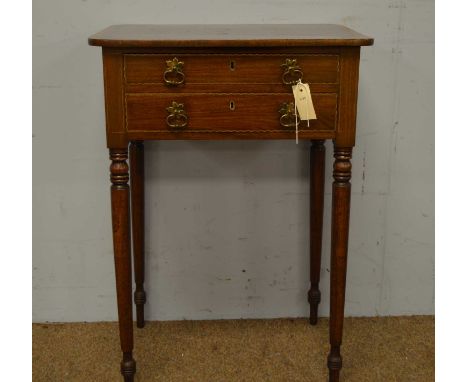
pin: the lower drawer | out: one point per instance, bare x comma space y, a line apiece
218, 113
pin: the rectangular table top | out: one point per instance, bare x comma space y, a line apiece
205, 36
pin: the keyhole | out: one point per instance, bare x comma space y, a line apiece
232, 105
232, 65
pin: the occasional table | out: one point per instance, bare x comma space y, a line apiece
222, 82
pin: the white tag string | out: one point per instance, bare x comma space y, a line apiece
296, 111
297, 125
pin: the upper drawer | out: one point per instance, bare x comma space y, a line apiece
183, 70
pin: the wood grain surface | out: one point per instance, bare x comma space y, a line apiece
253, 35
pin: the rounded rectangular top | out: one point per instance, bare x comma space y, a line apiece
253, 35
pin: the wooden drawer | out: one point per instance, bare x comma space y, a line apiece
249, 69
220, 113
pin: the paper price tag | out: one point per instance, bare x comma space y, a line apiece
303, 99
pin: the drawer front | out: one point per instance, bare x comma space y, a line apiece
182, 71
224, 113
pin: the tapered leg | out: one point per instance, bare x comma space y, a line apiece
137, 184
120, 200
339, 252
317, 181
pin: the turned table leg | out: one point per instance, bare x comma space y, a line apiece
137, 178
123, 267
317, 181
339, 251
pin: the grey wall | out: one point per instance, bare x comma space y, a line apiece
218, 209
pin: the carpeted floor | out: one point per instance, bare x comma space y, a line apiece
374, 349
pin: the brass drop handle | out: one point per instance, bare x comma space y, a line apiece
292, 72
177, 117
287, 114
174, 75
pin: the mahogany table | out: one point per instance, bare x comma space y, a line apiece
219, 82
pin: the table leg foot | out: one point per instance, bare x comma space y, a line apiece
334, 364
140, 299
314, 297
128, 367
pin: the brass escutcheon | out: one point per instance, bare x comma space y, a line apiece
174, 74
177, 117
292, 72
288, 114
